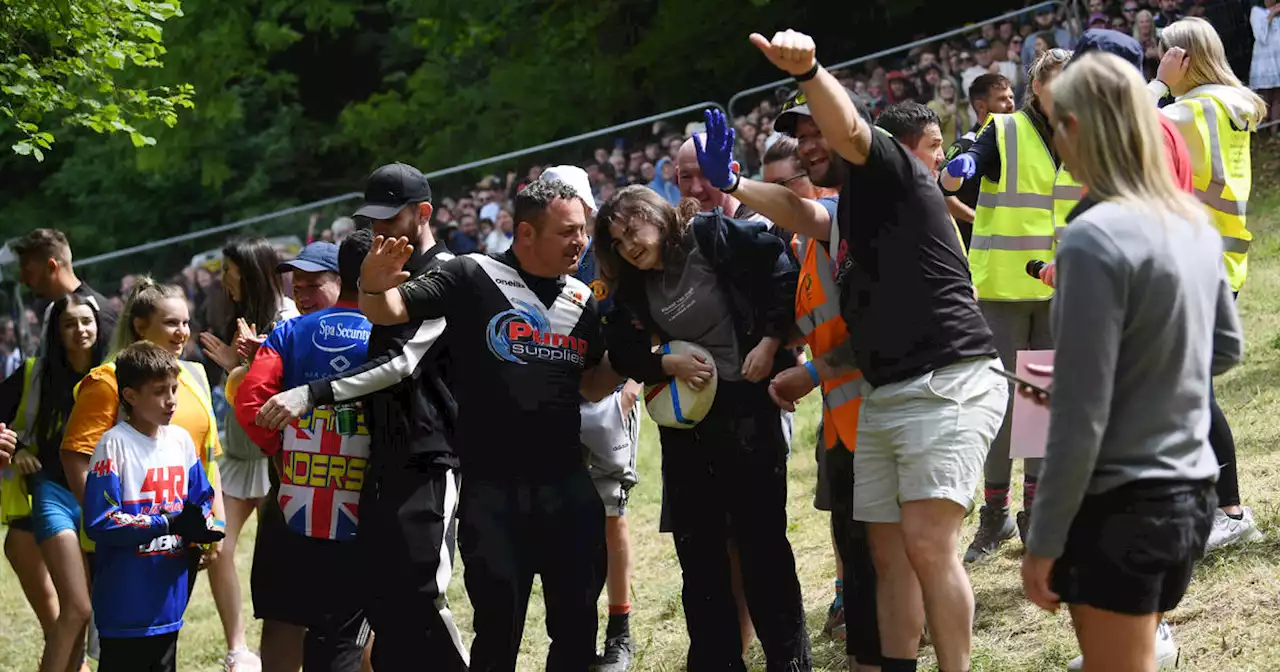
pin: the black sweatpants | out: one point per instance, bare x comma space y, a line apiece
158, 653
726, 480
862, 639
406, 536
508, 532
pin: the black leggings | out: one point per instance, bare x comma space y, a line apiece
726, 480
1224, 448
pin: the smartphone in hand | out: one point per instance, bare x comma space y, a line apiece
1022, 381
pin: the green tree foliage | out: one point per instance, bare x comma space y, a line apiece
65, 58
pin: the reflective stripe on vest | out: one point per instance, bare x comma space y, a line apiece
15, 498
818, 316
1225, 192
1016, 220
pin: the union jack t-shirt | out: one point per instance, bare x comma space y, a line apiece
321, 469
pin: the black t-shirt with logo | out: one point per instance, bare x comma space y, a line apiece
520, 344
904, 281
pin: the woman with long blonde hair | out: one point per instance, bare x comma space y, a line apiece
1216, 115
1143, 318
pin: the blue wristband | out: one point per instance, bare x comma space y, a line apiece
813, 373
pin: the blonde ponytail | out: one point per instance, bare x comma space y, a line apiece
1207, 60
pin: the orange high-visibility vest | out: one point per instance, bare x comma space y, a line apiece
818, 316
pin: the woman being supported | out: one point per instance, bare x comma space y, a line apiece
729, 287
36, 401
156, 313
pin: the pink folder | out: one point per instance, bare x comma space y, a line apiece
1030, 429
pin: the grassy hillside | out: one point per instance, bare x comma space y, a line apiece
1230, 620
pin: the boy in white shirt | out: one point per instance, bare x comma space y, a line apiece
147, 503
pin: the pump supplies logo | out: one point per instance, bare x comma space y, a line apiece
523, 334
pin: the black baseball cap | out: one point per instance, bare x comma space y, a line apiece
392, 187
798, 106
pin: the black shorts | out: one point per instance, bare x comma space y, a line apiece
315, 583
158, 653
1132, 550
23, 523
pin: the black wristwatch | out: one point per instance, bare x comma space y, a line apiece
733, 186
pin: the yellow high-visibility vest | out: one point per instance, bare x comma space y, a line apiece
1019, 217
1223, 180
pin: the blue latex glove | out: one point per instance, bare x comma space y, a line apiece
963, 167
715, 158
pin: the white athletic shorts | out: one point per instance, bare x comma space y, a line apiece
611, 441
926, 438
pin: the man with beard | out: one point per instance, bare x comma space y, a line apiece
930, 403
833, 368
410, 491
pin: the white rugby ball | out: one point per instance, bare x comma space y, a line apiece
673, 403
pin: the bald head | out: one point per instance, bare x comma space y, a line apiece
692, 183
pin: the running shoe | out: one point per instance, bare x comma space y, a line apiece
994, 528
617, 655
1166, 650
1227, 531
241, 660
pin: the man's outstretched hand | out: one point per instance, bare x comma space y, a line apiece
789, 51
715, 156
383, 267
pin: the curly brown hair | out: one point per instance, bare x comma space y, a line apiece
638, 202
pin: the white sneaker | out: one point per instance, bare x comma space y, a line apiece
1227, 530
1166, 650
241, 660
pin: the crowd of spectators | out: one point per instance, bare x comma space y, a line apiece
937, 74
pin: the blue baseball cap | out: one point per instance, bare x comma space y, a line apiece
315, 258
1112, 42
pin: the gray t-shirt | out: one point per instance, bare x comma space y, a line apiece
1143, 317
689, 305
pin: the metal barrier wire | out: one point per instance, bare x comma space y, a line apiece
902, 47
215, 230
